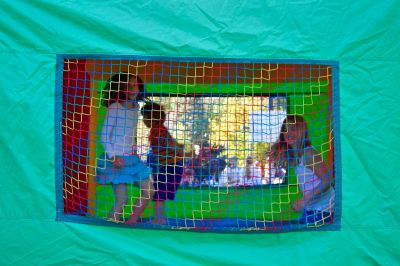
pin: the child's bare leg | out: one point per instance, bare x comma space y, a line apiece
159, 217
120, 200
146, 193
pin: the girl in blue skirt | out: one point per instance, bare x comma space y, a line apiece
120, 164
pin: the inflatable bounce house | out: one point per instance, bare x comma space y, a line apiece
206, 133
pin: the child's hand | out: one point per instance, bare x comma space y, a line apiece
118, 161
189, 154
298, 205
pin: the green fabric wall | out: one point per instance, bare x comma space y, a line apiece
363, 36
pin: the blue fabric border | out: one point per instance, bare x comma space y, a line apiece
208, 225
337, 144
197, 59
58, 136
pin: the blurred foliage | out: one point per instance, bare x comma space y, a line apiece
217, 121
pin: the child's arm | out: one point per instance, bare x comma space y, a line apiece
277, 156
167, 141
107, 131
315, 162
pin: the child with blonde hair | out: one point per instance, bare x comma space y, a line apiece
314, 178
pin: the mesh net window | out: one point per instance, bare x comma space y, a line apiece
197, 144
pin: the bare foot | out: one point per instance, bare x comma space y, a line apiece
130, 221
113, 220
158, 220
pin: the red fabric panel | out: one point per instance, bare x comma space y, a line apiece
75, 133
